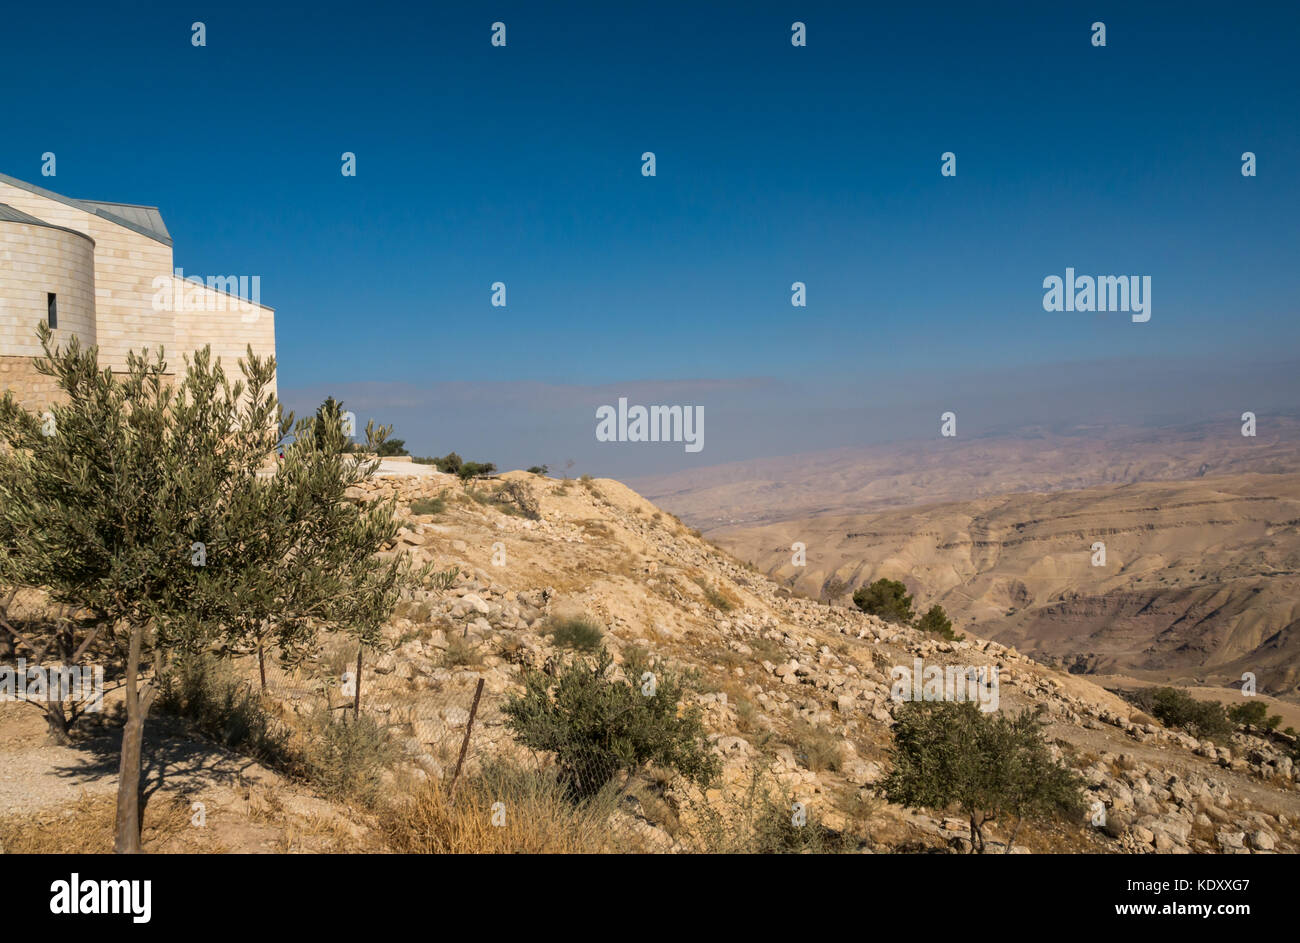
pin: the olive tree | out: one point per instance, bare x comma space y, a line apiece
155, 510
989, 765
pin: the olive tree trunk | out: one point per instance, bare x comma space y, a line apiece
138, 700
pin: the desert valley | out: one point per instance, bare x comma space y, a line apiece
1196, 586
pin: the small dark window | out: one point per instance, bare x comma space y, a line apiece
52, 309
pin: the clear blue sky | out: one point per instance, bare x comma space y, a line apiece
775, 164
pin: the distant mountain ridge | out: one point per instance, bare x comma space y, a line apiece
938, 470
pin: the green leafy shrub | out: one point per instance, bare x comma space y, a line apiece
989, 765
887, 599
1254, 714
449, 463
328, 413
469, 470
1173, 708
597, 724
937, 621
390, 447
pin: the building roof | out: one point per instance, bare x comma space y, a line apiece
144, 217
146, 220
10, 215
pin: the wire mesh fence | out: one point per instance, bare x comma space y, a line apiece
451, 740
428, 721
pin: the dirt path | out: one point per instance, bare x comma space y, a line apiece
199, 797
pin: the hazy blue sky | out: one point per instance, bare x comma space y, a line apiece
821, 164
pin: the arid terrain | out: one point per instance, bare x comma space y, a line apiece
795, 693
1202, 549
1200, 579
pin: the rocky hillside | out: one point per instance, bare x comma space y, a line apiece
792, 689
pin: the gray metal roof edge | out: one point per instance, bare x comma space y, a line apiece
79, 204
159, 230
139, 206
127, 224
228, 294
29, 220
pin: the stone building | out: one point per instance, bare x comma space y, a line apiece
103, 272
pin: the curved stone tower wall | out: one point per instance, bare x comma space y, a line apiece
36, 260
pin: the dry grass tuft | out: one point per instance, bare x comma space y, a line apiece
86, 827
535, 815
718, 596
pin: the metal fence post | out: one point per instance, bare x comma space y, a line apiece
464, 744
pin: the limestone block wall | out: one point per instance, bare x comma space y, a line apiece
34, 262
126, 264
206, 317
33, 391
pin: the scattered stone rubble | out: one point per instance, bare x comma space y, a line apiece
786, 663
